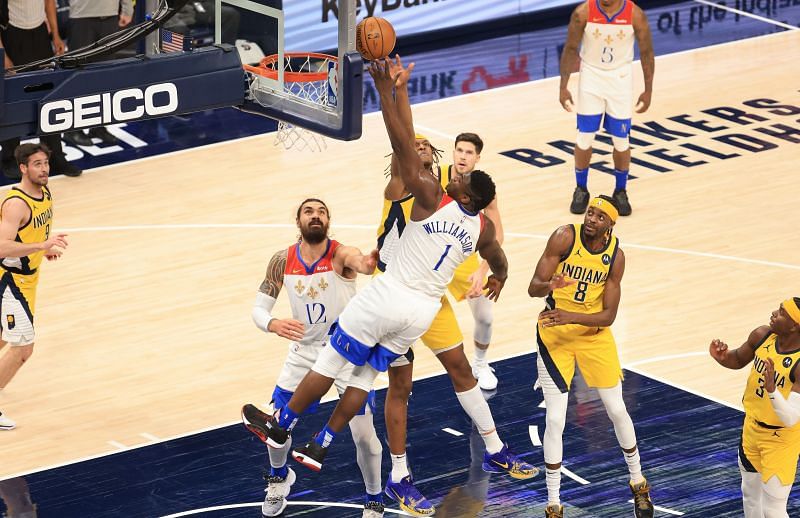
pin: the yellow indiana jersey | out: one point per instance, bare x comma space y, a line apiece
756, 401
36, 230
590, 270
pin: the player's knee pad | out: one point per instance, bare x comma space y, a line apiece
329, 362
556, 411
363, 377
621, 144
482, 314
585, 140
544, 380
364, 436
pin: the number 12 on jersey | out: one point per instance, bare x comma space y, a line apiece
446, 249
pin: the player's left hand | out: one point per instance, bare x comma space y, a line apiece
400, 73
370, 262
494, 285
644, 101
769, 376
554, 317
476, 284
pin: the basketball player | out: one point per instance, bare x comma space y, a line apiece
579, 273
382, 321
770, 442
321, 276
605, 30
26, 217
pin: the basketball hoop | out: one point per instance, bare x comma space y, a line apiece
308, 77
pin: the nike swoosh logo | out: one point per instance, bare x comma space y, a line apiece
503, 465
398, 497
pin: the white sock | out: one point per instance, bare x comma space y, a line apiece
399, 467
278, 456
480, 356
634, 465
552, 479
477, 409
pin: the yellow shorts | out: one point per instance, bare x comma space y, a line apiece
461, 284
17, 299
592, 348
770, 451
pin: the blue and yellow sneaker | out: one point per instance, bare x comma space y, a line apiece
408, 497
506, 462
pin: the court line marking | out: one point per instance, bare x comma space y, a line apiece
749, 15
685, 389
117, 445
149, 437
663, 509
574, 477
288, 502
533, 432
655, 359
452, 432
522, 235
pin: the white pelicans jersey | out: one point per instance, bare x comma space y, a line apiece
430, 250
608, 40
317, 293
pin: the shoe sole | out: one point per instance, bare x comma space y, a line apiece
307, 461
409, 510
519, 476
6, 427
258, 431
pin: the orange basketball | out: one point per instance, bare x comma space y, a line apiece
375, 38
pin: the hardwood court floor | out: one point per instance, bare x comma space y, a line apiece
144, 325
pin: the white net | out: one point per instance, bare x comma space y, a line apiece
307, 78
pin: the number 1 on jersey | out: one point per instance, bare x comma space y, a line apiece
446, 249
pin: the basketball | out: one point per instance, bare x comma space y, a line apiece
375, 38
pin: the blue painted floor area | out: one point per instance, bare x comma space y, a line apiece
688, 447
451, 70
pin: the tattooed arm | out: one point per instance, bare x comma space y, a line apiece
265, 301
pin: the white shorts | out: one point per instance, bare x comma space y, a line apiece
606, 91
16, 314
300, 360
389, 314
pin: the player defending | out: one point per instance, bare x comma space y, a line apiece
382, 321
605, 30
580, 274
321, 275
770, 441
26, 218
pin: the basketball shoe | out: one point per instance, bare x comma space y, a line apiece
621, 198
408, 497
506, 462
264, 426
373, 510
6, 423
278, 489
642, 504
311, 455
485, 376
554, 511
580, 200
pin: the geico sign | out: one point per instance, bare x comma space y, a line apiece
93, 110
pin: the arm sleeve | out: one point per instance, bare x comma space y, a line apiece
788, 410
261, 311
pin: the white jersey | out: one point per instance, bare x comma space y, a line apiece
430, 250
608, 40
317, 294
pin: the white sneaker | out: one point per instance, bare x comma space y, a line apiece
277, 491
485, 376
372, 510
6, 423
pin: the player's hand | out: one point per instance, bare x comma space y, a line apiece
769, 376
55, 244
381, 74
287, 328
718, 350
494, 285
124, 20
554, 317
565, 98
560, 280
52, 255
58, 44
644, 101
370, 262
475, 284
400, 74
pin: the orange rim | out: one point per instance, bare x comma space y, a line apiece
266, 68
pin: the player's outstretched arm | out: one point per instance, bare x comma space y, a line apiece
569, 55
265, 301
742, 355
641, 29
14, 214
545, 279
349, 260
492, 252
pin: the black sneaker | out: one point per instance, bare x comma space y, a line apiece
642, 504
621, 198
264, 426
311, 455
580, 200
104, 135
78, 138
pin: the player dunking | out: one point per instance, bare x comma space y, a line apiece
394, 310
605, 30
26, 218
580, 274
770, 443
320, 276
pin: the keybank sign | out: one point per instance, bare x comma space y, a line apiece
109, 107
